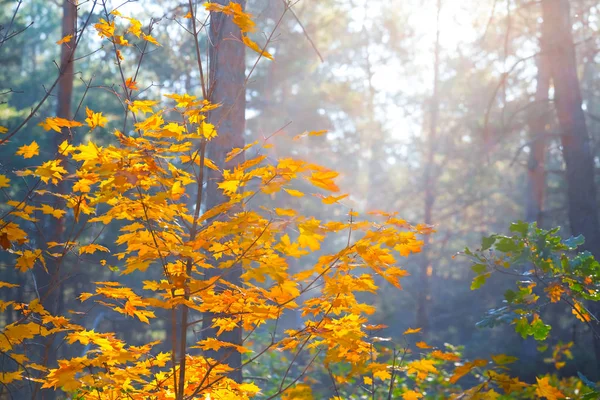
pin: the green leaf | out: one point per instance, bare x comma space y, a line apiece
522, 327
487, 242
574, 242
510, 296
520, 227
539, 330
506, 245
479, 268
479, 281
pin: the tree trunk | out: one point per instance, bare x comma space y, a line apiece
581, 188
227, 87
536, 174
429, 180
49, 283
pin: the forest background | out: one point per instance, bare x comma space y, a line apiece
443, 111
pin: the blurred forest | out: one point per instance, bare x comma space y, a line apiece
464, 115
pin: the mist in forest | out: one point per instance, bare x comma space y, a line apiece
462, 117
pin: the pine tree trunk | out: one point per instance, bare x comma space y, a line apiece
536, 174
227, 87
581, 188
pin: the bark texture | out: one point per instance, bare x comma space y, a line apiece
226, 87
575, 140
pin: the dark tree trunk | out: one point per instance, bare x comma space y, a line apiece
581, 188
538, 120
227, 87
49, 284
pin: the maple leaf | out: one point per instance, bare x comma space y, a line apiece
3, 129
46, 209
324, 180
8, 285
29, 150
142, 106
150, 39
333, 199
65, 39
28, 258
240, 18
252, 45
544, 389
422, 345
411, 395
9, 377
293, 192
135, 27
422, 368
104, 28
95, 119
57, 123
131, 84
92, 248
4, 181
120, 40
411, 331
445, 356
50, 171
463, 370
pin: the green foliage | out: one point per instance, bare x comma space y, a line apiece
547, 268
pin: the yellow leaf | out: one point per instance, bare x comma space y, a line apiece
131, 84
324, 180
463, 370
248, 42
150, 39
46, 209
9, 377
177, 190
367, 380
580, 312
411, 330
92, 248
544, 389
555, 291
240, 18
29, 150
422, 345
293, 192
288, 212
4, 181
135, 27
65, 39
104, 28
8, 285
28, 258
3, 129
95, 119
120, 40
411, 395
56, 123
142, 106
333, 199
249, 388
